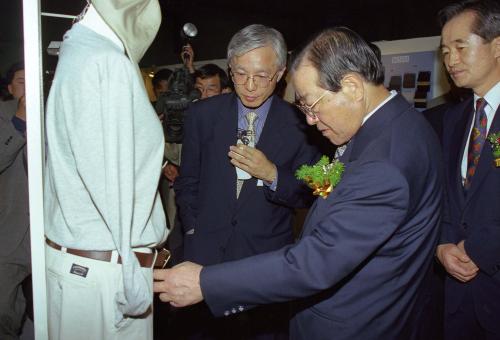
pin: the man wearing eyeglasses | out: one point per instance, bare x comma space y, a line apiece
224, 218
360, 268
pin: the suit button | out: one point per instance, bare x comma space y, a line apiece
464, 226
234, 222
226, 313
233, 310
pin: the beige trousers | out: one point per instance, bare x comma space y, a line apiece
81, 305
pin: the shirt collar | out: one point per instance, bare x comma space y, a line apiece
391, 95
261, 111
492, 97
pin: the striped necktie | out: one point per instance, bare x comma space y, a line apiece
476, 141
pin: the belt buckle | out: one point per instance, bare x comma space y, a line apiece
162, 258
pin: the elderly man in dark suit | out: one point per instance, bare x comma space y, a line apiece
14, 215
470, 243
237, 201
360, 266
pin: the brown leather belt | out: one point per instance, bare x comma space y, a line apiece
145, 259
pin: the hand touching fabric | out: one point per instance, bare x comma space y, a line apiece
171, 171
180, 285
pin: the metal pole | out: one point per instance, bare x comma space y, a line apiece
56, 15
36, 157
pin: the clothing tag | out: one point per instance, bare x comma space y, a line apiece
79, 270
260, 183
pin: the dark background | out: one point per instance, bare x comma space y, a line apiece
218, 20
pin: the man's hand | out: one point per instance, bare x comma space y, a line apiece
253, 161
187, 56
180, 285
21, 108
456, 262
171, 171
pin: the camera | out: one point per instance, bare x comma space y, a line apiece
174, 103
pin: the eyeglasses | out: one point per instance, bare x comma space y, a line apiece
240, 78
307, 109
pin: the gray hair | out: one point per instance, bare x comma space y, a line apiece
338, 51
255, 36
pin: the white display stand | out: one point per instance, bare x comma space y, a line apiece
36, 156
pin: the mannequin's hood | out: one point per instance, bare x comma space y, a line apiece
135, 22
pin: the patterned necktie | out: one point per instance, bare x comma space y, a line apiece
251, 117
476, 141
340, 151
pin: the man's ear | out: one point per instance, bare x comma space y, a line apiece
9, 88
496, 47
352, 86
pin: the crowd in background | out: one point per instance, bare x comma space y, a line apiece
460, 282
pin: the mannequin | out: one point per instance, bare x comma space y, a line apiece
96, 23
105, 148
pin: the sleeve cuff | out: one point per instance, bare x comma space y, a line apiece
272, 185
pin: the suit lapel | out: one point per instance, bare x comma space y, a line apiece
270, 142
346, 156
459, 141
272, 135
485, 160
225, 128
367, 133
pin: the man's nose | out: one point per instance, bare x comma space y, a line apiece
311, 121
453, 58
250, 84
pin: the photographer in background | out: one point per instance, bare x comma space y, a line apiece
160, 82
211, 80
15, 262
187, 57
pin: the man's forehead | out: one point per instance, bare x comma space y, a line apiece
305, 74
305, 80
19, 74
208, 80
458, 28
262, 57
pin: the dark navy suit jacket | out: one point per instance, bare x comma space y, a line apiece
260, 220
360, 264
474, 217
